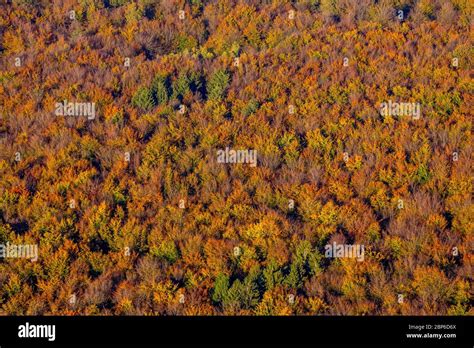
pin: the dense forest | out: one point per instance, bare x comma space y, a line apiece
197, 157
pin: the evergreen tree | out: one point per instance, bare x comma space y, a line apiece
272, 275
143, 99
159, 90
217, 85
181, 86
221, 285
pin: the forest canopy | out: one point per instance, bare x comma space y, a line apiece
209, 157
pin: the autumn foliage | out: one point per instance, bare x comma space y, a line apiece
131, 212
